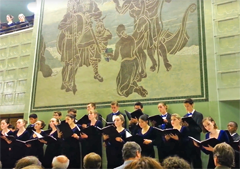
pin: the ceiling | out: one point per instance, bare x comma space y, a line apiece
14, 7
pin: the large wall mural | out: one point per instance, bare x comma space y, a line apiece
125, 50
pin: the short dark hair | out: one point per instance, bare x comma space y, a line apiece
114, 103
188, 100
175, 163
6, 120
11, 126
72, 110
93, 105
58, 112
130, 150
139, 104
235, 124
224, 154
33, 116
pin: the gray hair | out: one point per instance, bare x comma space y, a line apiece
60, 162
224, 154
130, 150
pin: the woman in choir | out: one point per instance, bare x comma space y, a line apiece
53, 146
94, 141
5, 143
114, 146
148, 134
211, 130
18, 149
36, 148
178, 145
71, 146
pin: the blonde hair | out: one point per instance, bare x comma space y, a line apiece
177, 116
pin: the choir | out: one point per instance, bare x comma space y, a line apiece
170, 133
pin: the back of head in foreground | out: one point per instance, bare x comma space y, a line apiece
92, 161
144, 163
26, 161
175, 163
60, 162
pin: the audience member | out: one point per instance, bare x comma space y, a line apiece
10, 21
92, 161
33, 167
223, 156
60, 162
26, 161
232, 128
130, 151
144, 163
175, 163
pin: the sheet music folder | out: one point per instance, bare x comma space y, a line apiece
190, 121
83, 120
136, 114
157, 118
65, 129
168, 131
211, 141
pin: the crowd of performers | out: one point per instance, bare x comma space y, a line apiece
31, 139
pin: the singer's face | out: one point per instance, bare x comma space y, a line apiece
38, 125
69, 120
53, 122
20, 123
162, 108
175, 121
118, 122
142, 123
4, 125
114, 108
91, 115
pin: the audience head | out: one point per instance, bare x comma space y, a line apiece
32, 118
176, 120
223, 155
60, 162
26, 161
33, 167
162, 107
232, 127
39, 125
54, 122
209, 124
143, 121
138, 105
73, 112
90, 106
57, 115
119, 121
21, 18
92, 161
21, 123
188, 104
114, 106
4, 124
131, 150
175, 163
9, 18
144, 163
92, 114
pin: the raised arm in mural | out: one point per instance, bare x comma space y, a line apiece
91, 44
128, 75
70, 29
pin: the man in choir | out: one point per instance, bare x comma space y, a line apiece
73, 112
232, 128
115, 112
130, 151
93, 106
162, 107
60, 162
32, 119
57, 115
133, 123
194, 131
223, 155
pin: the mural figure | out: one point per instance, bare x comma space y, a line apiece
66, 44
128, 75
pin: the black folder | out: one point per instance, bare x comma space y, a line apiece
65, 129
136, 114
91, 130
157, 118
28, 141
9, 137
138, 139
190, 121
110, 131
168, 131
49, 139
83, 120
211, 141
